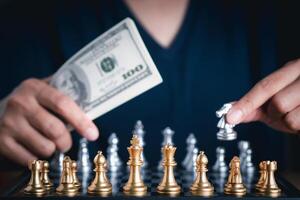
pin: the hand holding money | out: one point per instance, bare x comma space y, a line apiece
27, 128
108, 72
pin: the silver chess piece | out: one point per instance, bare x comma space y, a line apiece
113, 160
226, 131
167, 136
191, 166
167, 139
249, 170
248, 167
83, 159
220, 166
190, 145
56, 163
243, 146
140, 132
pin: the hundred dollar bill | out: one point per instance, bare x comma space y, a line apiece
109, 71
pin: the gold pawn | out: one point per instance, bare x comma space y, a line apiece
66, 185
76, 181
269, 186
135, 185
100, 185
168, 184
45, 175
263, 174
35, 185
235, 184
201, 185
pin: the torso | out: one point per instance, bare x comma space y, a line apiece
160, 18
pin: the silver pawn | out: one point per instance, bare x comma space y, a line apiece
140, 132
243, 146
220, 166
83, 158
167, 139
113, 160
167, 136
226, 131
56, 163
191, 144
249, 168
191, 166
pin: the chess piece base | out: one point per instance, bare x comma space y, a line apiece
35, 190
66, 189
202, 190
48, 185
235, 189
135, 190
170, 189
222, 135
274, 192
103, 189
269, 190
77, 184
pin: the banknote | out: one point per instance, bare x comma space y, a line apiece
109, 71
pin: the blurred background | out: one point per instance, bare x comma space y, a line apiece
31, 37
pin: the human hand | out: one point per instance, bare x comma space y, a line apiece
28, 127
275, 100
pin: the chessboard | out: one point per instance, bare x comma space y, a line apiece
152, 178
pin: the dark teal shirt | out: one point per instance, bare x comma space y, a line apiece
220, 51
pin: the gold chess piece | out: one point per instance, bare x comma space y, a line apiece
100, 185
235, 184
35, 185
263, 174
66, 185
76, 181
45, 175
135, 185
201, 185
168, 184
269, 186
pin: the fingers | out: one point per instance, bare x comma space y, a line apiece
52, 127
263, 91
15, 151
54, 100
24, 134
285, 100
292, 120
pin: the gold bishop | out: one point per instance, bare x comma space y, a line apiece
100, 185
201, 185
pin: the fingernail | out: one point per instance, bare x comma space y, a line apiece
92, 133
234, 116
